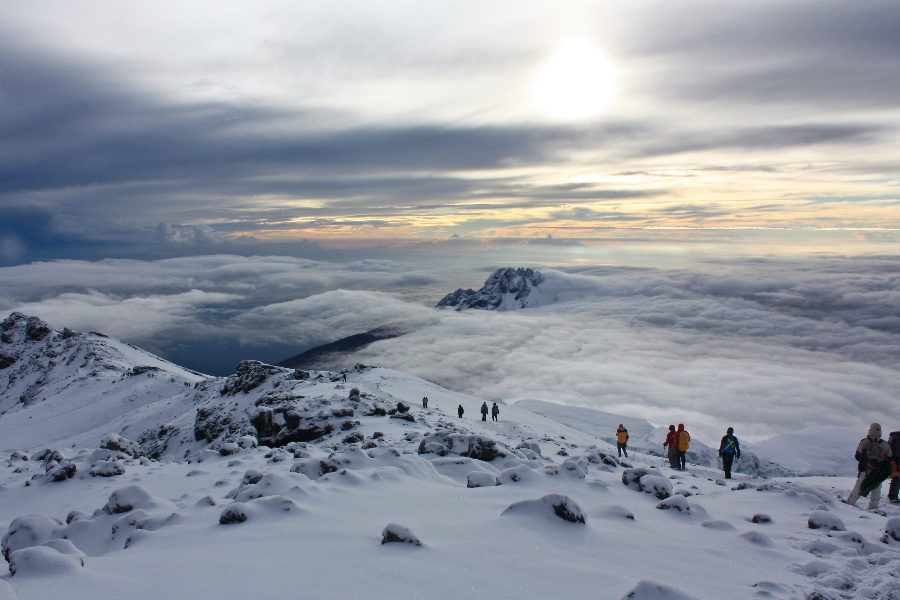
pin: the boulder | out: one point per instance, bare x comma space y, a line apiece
552, 504
891, 530
27, 531
481, 479
234, 513
399, 534
821, 519
107, 468
41, 561
117, 443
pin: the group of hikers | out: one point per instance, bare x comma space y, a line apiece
678, 441
494, 410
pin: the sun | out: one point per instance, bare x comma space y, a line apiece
576, 83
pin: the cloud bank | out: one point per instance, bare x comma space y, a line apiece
766, 346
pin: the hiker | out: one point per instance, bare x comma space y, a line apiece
495, 410
622, 440
894, 443
873, 454
729, 449
672, 443
460, 411
425, 402
684, 442
484, 411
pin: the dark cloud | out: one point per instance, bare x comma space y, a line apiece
814, 54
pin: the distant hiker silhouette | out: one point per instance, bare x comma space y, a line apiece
425, 402
622, 440
729, 450
484, 411
495, 410
460, 411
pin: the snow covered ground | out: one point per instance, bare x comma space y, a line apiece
496, 507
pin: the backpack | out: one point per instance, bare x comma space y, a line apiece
684, 440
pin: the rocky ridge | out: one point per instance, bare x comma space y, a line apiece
505, 289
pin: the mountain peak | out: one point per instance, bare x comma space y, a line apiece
506, 289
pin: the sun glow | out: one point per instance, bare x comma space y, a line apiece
576, 83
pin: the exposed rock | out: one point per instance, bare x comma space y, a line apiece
760, 518
117, 443
107, 468
402, 407
514, 286
891, 530
562, 506
250, 374
235, 513
820, 519
398, 533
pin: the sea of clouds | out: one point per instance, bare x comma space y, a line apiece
764, 345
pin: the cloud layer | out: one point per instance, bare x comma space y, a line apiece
763, 345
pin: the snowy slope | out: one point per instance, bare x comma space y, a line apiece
68, 387
814, 450
199, 511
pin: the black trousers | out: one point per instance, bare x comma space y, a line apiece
681, 458
622, 447
727, 460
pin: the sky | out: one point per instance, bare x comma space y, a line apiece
151, 130
714, 185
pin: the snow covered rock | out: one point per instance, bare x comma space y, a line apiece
235, 513
27, 531
679, 503
398, 533
248, 442
647, 480
820, 519
117, 443
552, 504
229, 448
612, 511
505, 289
7, 592
61, 471
891, 530
481, 479
760, 518
42, 560
107, 468
129, 498
651, 590
479, 447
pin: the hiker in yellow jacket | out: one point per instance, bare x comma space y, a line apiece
622, 440
684, 442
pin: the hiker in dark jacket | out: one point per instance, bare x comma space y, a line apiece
484, 411
894, 443
495, 410
460, 411
729, 449
425, 402
872, 454
684, 442
672, 444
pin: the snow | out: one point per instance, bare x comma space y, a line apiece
498, 510
824, 450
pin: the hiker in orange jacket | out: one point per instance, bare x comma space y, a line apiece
622, 440
684, 442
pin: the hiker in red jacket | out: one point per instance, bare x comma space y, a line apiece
672, 444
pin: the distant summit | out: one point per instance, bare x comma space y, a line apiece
505, 289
